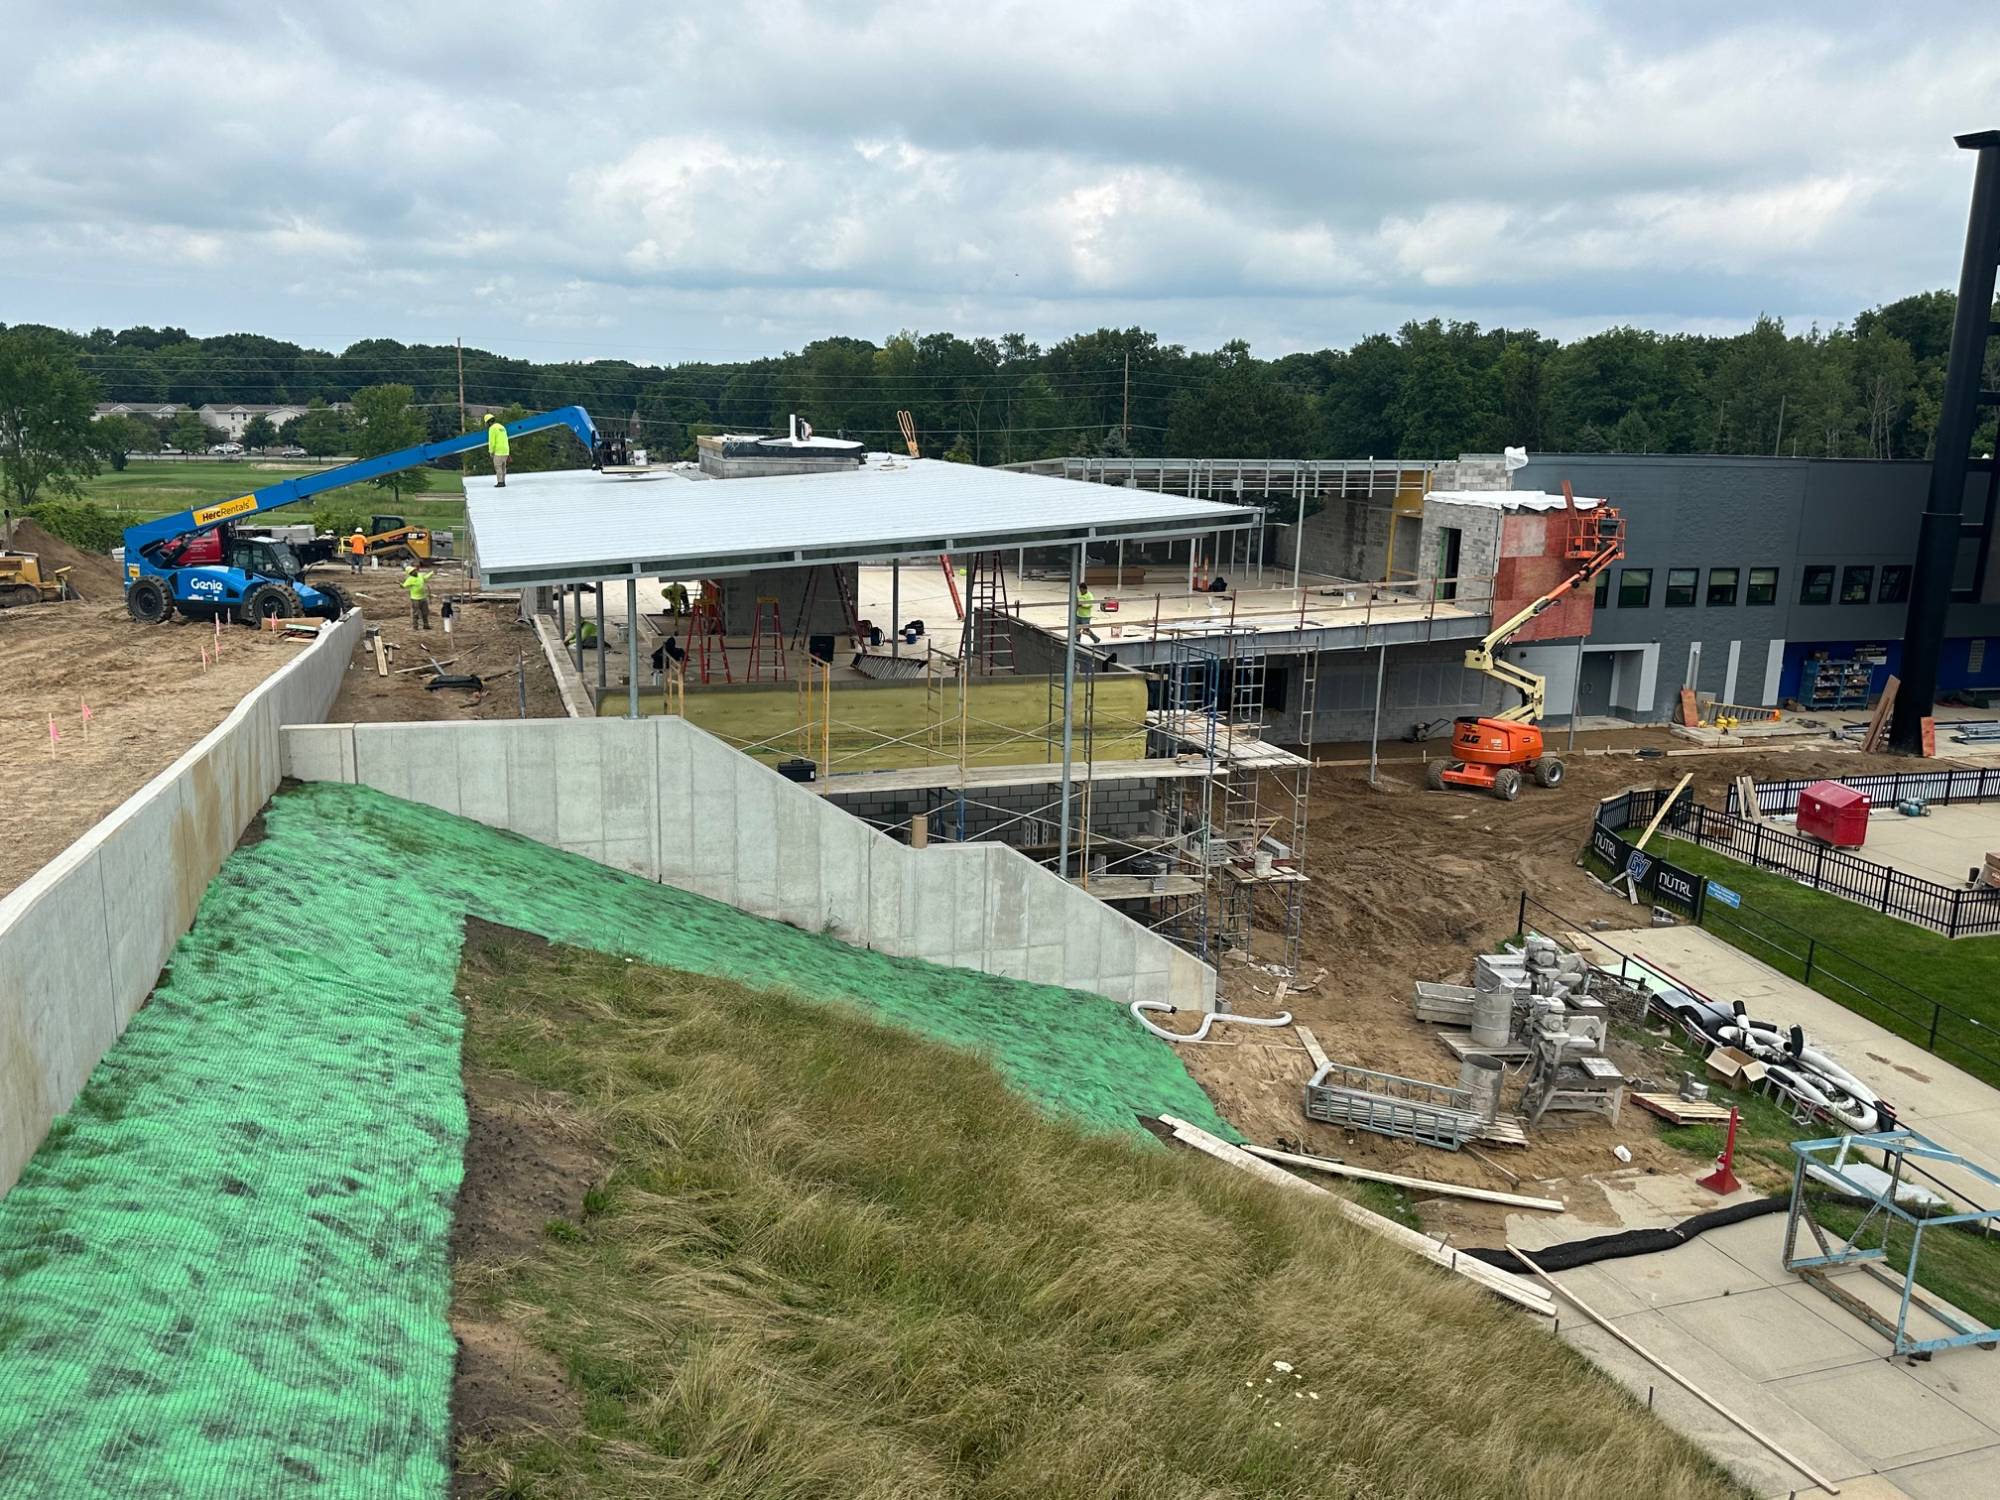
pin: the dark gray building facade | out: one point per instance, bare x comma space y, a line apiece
1758, 580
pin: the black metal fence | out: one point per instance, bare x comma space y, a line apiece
1953, 911
1781, 798
1794, 952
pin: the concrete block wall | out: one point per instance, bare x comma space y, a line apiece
788, 587
661, 799
1011, 814
1473, 471
1479, 547
83, 939
1421, 682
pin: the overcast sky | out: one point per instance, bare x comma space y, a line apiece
668, 182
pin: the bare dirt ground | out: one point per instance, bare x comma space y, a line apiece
1410, 884
487, 641
150, 698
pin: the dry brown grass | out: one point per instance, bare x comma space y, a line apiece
837, 1260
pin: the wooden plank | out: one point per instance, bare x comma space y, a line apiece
1678, 1111
1311, 1044
1878, 722
1499, 1282
1414, 1184
381, 661
1672, 1374
1505, 1132
1661, 816
1690, 710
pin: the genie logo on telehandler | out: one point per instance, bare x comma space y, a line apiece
225, 510
200, 585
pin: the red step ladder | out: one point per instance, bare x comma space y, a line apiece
706, 625
767, 644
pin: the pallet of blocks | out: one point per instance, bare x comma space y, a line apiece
1992, 871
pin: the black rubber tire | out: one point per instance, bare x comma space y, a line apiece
148, 601
1506, 783
268, 601
1549, 771
18, 596
1434, 775
336, 601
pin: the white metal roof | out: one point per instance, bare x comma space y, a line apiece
1510, 499
576, 525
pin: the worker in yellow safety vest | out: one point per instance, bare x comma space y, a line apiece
417, 586
1086, 606
496, 448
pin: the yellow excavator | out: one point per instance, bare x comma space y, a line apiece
23, 580
1496, 754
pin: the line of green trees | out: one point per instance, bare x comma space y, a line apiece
1435, 388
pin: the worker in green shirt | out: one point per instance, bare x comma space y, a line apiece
1086, 606
496, 447
417, 586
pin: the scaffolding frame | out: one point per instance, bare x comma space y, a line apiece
1867, 1245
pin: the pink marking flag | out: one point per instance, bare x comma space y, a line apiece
54, 735
86, 718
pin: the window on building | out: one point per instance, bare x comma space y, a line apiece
1762, 587
1721, 588
1895, 584
1680, 587
1635, 588
1816, 584
1602, 595
1857, 583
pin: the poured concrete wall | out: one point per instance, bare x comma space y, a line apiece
1012, 814
661, 799
84, 938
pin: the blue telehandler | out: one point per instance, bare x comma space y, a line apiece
256, 578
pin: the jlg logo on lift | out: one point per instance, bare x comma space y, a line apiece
1470, 738
225, 510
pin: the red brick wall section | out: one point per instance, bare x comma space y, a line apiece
1532, 563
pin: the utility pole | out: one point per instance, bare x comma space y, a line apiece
1125, 417
459, 345
1778, 443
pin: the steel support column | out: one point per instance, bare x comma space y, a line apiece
1958, 419
632, 648
1069, 707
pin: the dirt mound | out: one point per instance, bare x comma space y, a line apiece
93, 575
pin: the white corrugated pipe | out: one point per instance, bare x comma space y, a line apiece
1208, 1019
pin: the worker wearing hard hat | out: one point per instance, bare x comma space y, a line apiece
357, 549
496, 447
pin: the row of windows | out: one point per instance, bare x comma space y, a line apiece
1857, 586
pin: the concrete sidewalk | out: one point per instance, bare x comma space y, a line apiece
1723, 1311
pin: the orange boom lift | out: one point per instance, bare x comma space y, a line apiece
1495, 754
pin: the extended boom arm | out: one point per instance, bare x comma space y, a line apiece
1598, 546
149, 534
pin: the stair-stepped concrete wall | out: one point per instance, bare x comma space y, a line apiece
664, 800
82, 940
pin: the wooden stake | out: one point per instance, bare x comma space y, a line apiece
1489, 1277
1415, 1184
1665, 807
1671, 1373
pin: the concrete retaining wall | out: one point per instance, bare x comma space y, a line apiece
84, 939
664, 800
1022, 814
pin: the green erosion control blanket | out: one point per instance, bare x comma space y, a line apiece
226, 1273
